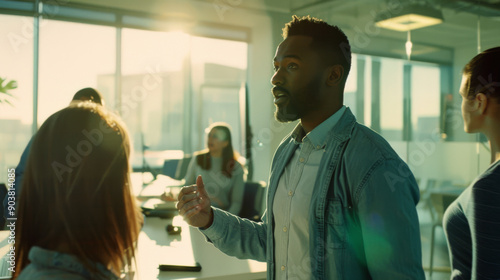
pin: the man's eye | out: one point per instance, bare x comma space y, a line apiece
292, 66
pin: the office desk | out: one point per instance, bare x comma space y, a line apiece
156, 247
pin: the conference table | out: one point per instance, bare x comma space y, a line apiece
156, 246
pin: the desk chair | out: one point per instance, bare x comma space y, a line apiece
440, 200
170, 167
182, 167
426, 186
252, 200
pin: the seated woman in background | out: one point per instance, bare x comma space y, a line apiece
222, 174
77, 218
472, 222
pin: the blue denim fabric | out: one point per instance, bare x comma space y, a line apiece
46, 264
363, 219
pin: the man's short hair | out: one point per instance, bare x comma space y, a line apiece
326, 37
88, 94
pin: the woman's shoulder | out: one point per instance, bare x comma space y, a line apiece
489, 179
33, 271
485, 190
200, 153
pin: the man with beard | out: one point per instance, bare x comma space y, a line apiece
340, 202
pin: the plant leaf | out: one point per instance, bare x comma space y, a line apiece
11, 85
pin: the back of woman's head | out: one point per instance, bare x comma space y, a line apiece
484, 74
76, 194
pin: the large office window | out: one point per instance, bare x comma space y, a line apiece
403, 101
425, 101
73, 56
154, 87
16, 48
391, 99
218, 76
174, 85
168, 86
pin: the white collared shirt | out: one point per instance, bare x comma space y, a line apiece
292, 201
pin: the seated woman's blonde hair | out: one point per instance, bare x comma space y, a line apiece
76, 196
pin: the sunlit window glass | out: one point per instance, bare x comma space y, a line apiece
16, 72
218, 81
74, 56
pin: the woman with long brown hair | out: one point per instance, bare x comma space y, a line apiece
77, 218
222, 174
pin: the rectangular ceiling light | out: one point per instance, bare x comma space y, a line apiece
409, 18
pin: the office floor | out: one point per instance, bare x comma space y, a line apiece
441, 270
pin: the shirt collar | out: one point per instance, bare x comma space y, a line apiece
318, 135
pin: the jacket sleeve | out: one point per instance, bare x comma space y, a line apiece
237, 237
386, 206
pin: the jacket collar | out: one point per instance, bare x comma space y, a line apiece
338, 126
66, 262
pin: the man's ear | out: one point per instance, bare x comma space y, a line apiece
481, 101
335, 75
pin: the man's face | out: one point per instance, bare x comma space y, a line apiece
297, 79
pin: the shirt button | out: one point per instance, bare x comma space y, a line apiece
283, 268
301, 159
318, 147
285, 229
290, 193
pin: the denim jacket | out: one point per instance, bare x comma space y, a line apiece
363, 219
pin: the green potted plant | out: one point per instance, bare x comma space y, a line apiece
5, 87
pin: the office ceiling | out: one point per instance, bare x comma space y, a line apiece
460, 26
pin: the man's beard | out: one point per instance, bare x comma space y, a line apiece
296, 108
287, 112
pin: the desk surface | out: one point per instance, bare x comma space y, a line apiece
153, 188
156, 247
